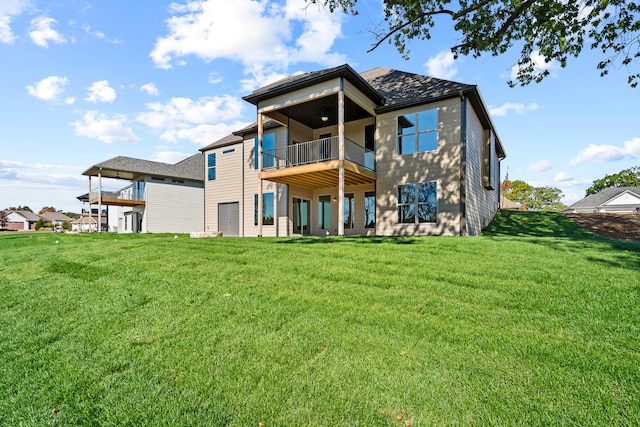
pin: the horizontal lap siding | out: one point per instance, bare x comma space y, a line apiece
227, 187
174, 207
442, 166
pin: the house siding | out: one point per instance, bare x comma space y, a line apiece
173, 207
481, 202
227, 187
441, 166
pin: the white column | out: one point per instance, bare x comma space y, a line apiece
259, 154
100, 200
341, 159
82, 218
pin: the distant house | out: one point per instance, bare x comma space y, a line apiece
612, 199
87, 223
20, 220
336, 152
157, 197
55, 218
507, 204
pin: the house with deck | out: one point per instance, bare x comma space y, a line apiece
336, 152
151, 197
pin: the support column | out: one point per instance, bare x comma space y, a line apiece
341, 159
82, 220
259, 154
100, 200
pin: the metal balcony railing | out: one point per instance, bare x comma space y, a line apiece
319, 150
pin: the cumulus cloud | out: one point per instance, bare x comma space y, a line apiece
562, 177
442, 66
42, 32
539, 166
267, 37
518, 108
150, 89
202, 134
49, 88
8, 10
171, 157
104, 128
101, 92
607, 153
23, 165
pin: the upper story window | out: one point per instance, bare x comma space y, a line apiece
418, 132
268, 147
211, 166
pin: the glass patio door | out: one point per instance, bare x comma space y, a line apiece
301, 216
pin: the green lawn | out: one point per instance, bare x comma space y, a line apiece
537, 322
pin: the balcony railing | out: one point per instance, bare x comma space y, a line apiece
319, 150
130, 195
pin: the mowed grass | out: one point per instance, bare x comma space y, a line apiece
537, 322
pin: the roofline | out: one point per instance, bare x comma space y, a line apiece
312, 78
221, 145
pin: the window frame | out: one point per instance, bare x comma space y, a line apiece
368, 195
264, 211
349, 219
268, 137
431, 132
211, 168
412, 203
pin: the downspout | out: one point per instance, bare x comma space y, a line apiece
463, 164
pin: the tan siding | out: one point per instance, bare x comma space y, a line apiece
319, 90
442, 166
227, 186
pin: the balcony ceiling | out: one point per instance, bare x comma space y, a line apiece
321, 175
310, 113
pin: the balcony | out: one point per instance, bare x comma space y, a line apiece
316, 164
117, 198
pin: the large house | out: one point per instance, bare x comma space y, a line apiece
335, 152
156, 198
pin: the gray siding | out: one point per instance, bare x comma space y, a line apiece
173, 207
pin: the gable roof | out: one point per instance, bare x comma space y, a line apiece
28, 215
230, 139
598, 199
55, 216
191, 168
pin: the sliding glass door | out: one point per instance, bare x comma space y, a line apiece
301, 216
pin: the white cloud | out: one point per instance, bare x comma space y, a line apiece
100, 126
562, 177
215, 77
539, 64
518, 108
23, 165
442, 66
267, 37
202, 134
101, 92
99, 34
539, 166
171, 157
41, 32
150, 89
8, 10
48, 88
607, 153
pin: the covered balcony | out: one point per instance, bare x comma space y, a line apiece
316, 164
127, 197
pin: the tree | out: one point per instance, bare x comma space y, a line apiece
46, 209
534, 198
625, 178
20, 208
554, 29
3, 220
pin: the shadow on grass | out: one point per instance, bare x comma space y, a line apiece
313, 240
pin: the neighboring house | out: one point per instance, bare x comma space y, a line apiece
507, 204
158, 197
335, 152
20, 220
87, 223
612, 199
56, 218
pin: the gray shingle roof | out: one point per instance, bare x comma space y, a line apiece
223, 142
29, 216
54, 216
593, 201
191, 168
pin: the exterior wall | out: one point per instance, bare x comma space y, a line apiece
228, 185
441, 166
481, 203
15, 221
173, 207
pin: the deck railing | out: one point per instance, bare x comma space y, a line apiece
319, 150
131, 195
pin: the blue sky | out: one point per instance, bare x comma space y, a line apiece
82, 82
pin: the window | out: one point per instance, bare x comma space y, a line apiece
268, 151
324, 212
369, 209
268, 215
229, 151
211, 167
349, 211
417, 203
418, 132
